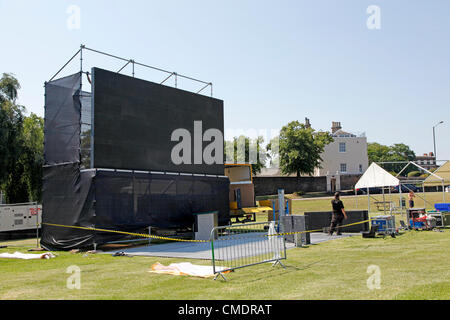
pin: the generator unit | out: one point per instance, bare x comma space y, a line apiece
20, 217
439, 219
443, 209
386, 224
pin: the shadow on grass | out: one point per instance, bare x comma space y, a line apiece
281, 272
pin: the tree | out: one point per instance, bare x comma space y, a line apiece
21, 146
9, 86
300, 148
245, 150
11, 119
395, 153
86, 149
33, 156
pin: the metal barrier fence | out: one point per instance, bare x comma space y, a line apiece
244, 245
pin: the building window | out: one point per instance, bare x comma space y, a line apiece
342, 147
343, 167
360, 168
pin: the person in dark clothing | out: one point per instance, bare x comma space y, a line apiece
411, 199
339, 215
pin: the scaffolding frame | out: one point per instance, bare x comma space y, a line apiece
415, 182
127, 62
134, 63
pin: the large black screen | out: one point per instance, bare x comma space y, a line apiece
134, 121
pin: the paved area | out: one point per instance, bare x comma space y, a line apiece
322, 237
243, 246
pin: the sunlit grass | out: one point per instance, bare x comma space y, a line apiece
413, 266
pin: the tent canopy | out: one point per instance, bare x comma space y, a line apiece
443, 172
375, 176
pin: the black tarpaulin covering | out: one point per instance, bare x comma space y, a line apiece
124, 201
62, 120
109, 199
319, 220
131, 201
68, 197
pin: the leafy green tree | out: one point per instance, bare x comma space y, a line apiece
86, 149
11, 119
398, 152
300, 148
33, 156
21, 146
245, 150
9, 86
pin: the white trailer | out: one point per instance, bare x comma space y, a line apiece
20, 217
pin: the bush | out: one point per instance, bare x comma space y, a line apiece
413, 174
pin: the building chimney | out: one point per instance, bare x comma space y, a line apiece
335, 127
307, 123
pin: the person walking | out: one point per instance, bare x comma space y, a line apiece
339, 215
411, 196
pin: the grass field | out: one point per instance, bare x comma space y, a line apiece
413, 266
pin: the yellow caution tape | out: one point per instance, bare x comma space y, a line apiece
143, 235
123, 232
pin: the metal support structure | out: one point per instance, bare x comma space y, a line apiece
81, 57
411, 162
281, 210
134, 63
424, 195
421, 182
245, 245
124, 66
170, 76
206, 86
434, 140
37, 224
443, 192
64, 66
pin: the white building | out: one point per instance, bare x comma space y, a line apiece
347, 155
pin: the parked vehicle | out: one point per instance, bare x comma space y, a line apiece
371, 191
407, 187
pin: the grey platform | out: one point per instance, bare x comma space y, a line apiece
192, 250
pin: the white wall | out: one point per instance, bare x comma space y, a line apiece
355, 155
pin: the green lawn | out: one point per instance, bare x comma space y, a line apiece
413, 266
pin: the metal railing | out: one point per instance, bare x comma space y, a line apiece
244, 245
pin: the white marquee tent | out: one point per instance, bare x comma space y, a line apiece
376, 177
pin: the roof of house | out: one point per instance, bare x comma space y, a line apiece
342, 133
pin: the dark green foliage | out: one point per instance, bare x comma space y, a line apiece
394, 153
300, 148
239, 149
21, 146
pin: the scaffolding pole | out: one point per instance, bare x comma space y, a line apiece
134, 63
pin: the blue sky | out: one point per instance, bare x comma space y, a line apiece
271, 62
